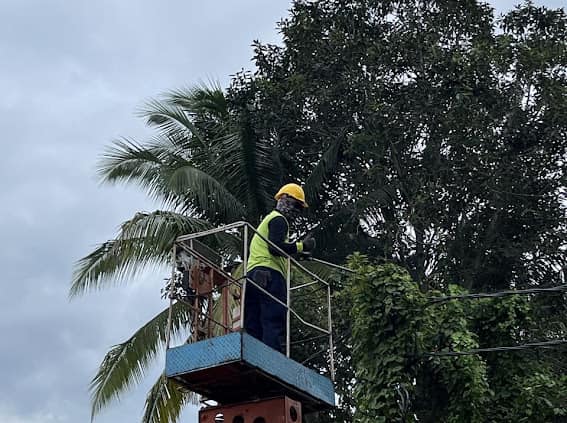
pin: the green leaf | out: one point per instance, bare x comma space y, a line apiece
165, 401
126, 363
145, 240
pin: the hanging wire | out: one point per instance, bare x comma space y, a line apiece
554, 289
305, 340
323, 349
533, 345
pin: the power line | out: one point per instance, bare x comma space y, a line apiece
543, 344
314, 338
321, 350
559, 288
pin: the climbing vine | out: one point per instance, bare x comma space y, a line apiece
395, 330
386, 317
459, 383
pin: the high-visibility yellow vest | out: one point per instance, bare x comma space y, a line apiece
259, 249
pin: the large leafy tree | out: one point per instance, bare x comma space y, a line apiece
443, 131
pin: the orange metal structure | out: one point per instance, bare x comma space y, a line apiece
276, 410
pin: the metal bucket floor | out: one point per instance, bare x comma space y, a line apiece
237, 367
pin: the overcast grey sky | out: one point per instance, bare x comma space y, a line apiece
72, 75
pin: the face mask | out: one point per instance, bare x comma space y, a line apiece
289, 207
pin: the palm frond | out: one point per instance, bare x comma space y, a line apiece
205, 192
324, 167
327, 273
229, 165
247, 166
256, 167
161, 168
145, 240
125, 364
203, 99
149, 166
127, 161
165, 401
170, 118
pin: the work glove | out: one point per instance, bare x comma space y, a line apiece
303, 256
309, 244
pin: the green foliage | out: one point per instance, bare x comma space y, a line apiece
443, 131
165, 401
541, 397
526, 386
124, 365
387, 315
458, 384
394, 325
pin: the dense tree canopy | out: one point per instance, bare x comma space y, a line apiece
442, 129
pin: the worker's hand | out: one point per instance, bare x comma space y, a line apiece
309, 243
304, 256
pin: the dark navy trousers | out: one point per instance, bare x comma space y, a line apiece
264, 318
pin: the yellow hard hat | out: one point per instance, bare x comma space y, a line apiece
293, 190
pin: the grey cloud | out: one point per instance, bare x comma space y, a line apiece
72, 76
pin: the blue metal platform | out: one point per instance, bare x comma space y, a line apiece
237, 367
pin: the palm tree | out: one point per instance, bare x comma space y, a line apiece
206, 166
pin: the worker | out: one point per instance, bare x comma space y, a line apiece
264, 318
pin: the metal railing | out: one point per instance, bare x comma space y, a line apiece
185, 242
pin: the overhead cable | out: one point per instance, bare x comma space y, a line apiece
543, 344
554, 289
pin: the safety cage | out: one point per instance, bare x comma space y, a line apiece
218, 359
